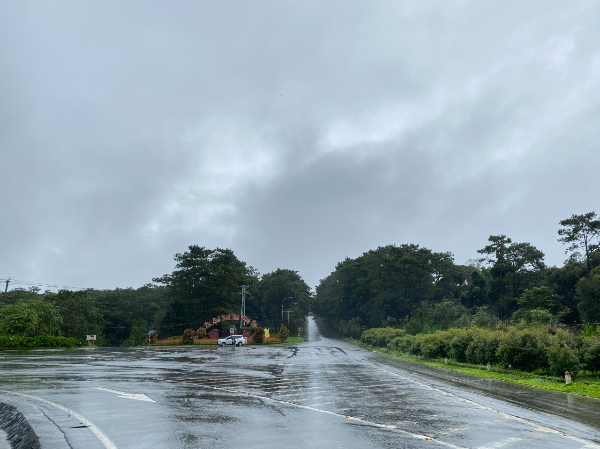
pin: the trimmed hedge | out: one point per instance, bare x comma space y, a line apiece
44, 341
547, 349
380, 337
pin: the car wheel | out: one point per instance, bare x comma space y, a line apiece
222, 344
239, 344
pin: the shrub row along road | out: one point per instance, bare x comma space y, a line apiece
321, 393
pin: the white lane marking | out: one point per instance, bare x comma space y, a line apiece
391, 428
539, 427
106, 442
470, 426
507, 441
137, 397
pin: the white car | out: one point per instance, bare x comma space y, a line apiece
237, 340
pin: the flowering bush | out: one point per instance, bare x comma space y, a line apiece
201, 333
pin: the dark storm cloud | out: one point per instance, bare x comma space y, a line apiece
296, 133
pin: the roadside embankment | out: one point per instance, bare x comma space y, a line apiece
19, 432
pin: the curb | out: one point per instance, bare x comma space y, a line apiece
28, 427
19, 432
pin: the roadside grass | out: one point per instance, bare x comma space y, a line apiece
583, 383
276, 341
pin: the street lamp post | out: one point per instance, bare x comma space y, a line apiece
288, 311
282, 301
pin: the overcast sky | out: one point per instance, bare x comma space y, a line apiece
296, 133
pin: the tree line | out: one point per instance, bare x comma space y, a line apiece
204, 284
423, 291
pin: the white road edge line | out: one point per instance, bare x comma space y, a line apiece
106, 442
539, 427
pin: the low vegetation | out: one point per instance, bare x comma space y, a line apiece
38, 342
537, 356
203, 287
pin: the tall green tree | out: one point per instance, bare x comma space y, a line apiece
388, 284
285, 289
476, 294
588, 291
540, 298
514, 267
563, 281
79, 312
205, 283
581, 231
121, 308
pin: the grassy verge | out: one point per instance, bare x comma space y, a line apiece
583, 384
289, 341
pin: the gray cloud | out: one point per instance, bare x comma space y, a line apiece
297, 134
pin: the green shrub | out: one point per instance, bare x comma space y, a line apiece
402, 344
524, 350
434, 345
283, 333
188, 337
415, 346
259, 335
483, 347
561, 359
590, 354
460, 339
380, 336
43, 341
201, 333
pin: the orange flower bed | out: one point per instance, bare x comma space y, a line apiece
178, 340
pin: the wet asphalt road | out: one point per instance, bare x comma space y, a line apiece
323, 393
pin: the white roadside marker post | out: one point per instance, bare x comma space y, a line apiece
489, 366
568, 378
446, 360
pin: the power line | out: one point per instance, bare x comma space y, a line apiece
36, 284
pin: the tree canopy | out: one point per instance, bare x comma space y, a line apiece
581, 231
204, 284
422, 290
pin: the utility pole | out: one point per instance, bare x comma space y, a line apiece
282, 301
5, 290
288, 312
243, 306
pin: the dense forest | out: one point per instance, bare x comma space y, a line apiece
422, 291
204, 284
404, 286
